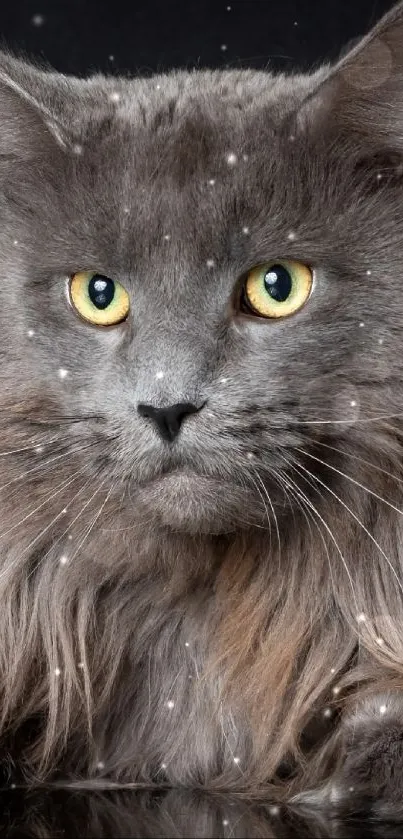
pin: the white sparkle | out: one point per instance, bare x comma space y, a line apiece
77, 148
361, 618
57, 671
332, 669
111, 57
237, 760
380, 340
126, 209
245, 230
65, 510
225, 822
63, 373
39, 449
232, 159
295, 23
70, 536
158, 87
380, 641
291, 137
167, 237
291, 236
12, 786
353, 403
274, 811
336, 690
159, 375
229, 8
63, 560
15, 242
250, 455
212, 181
163, 766
379, 176
38, 20
170, 704
327, 712
351, 789
80, 665
361, 324
210, 414
223, 47
100, 764
369, 272
223, 380
187, 644
210, 263
245, 157
114, 96
383, 709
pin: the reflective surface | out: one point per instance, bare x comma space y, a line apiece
179, 813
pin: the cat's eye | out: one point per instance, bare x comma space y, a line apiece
276, 289
98, 299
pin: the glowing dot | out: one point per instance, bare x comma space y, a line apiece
274, 811
63, 560
380, 641
351, 789
12, 786
38, 20
15, 242
170, 704
291, 137
380, 340
163, 766
327, 712
212, 181
228, 10
159, 375
295, 23
369, 273
64, 511
332, 669
39, 449
223, 47
250, 455
111, 57
383, 709
210, 263
167, 237
69, 536
187, 644
63, 373
210, 414
237, 760
223, 381
353, 403
158, 87
379, 176
31, 333
77, 148
57, 671
245, 157
232, 159
115, 96
361, 324
80, 665
245, 230
126, 209
225, 822
361, 618
336, 690
291, 236
100, 764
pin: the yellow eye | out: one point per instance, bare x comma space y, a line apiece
277, 289
98, 299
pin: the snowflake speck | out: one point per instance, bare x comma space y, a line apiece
332, 669
63, 373
77, 148
245, 230
210, 263
225, 822
237, 760
163, 766
245, 157
80, 665
39, 449
291, 236
167, 237
15, 242
63, 560
382, 709
31, 333
187, 644
361, 324
336, 690
100, 764
170, 704
353, 403
212, 181
380, 340
57, 671
232, 159
274, 811
223, 47
361, 618
380, 641
38, 20
159, 375
369, 272
114, 96
327, 712
111, 57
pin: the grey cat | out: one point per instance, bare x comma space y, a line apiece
201, 402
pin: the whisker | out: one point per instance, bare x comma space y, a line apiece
361, 459
41, 465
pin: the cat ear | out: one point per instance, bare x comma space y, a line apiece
360, 100
33, 110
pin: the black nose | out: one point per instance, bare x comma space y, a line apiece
168, 420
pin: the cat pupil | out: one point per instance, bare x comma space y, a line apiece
278, 283
101, 291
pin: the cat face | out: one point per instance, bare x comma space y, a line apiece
175, 189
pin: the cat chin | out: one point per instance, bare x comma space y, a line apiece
190, 503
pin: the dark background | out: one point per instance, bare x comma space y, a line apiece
144, 36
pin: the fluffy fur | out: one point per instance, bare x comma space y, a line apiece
225, 601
